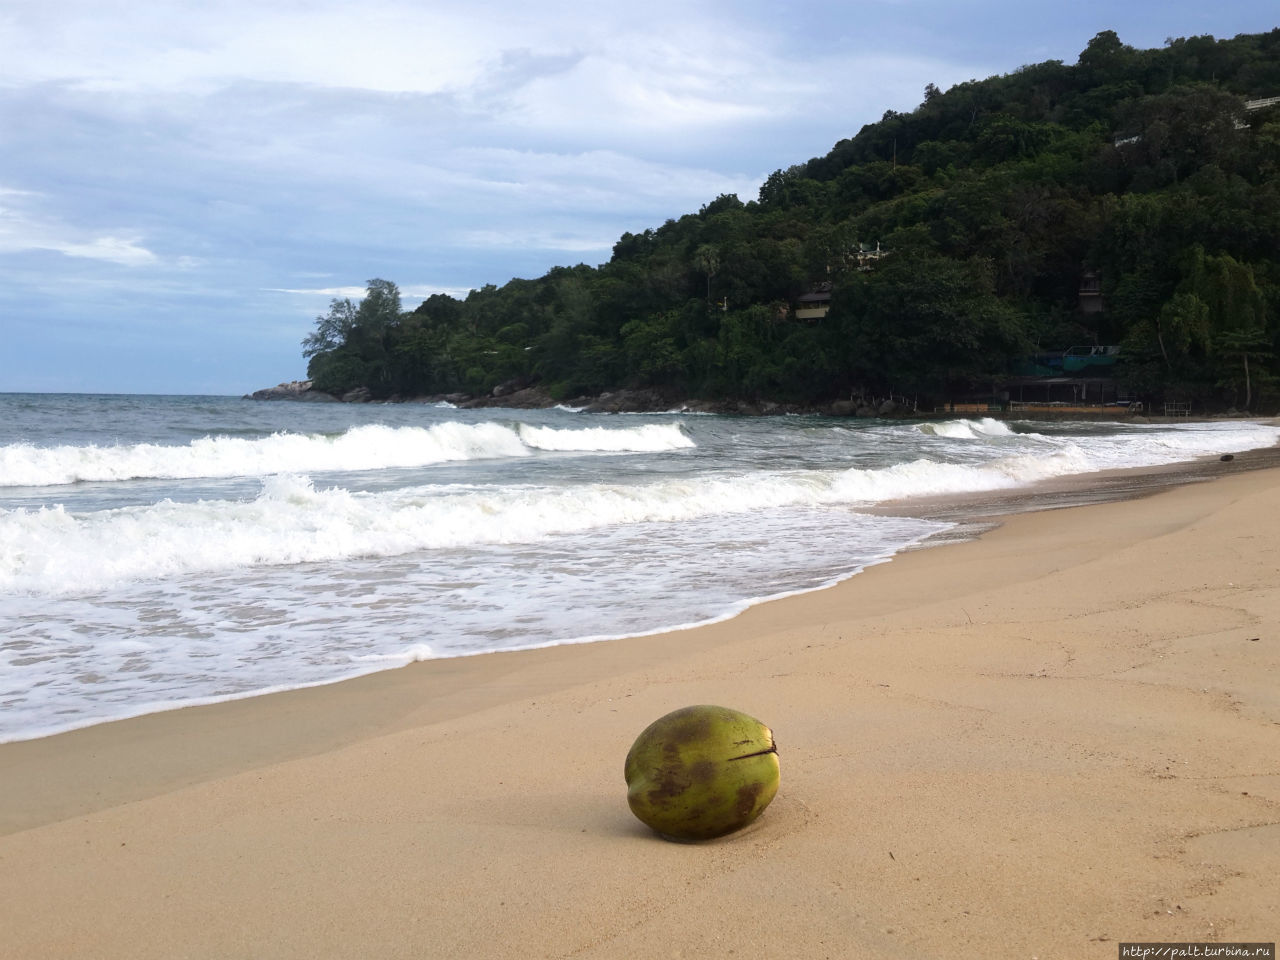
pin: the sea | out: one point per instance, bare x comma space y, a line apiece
164, 551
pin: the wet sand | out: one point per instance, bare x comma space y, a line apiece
1056, 737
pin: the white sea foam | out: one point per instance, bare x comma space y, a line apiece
966, 429
52, 551
1035, 457
119, 602
415, 653
370, 447
651, 438
199, 639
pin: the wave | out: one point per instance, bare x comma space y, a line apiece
1170, 443
370, 447
967, 429
52, 551
651, 438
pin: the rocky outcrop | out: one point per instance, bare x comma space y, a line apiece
520, 394
293, 390
523, 398
511, 387
631, 401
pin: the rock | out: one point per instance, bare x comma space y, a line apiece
887, 407
704, 406
510, 387
358, 395
865, 412
630, 401
526, 398
292, 390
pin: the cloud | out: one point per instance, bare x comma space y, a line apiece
252, 159
418, 292
589, 181
20, 231
675, 72
410, 292
566, 242
122, 250
178, 46
353, 292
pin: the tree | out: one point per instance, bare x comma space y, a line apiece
350, 345
1183, 322
380, 307
926, 325
651, 350
1238, 311
994, 197
332, 329
1106, 59
1243, 345
1182, 131
707, 259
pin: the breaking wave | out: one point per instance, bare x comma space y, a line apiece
53, 551
371, 447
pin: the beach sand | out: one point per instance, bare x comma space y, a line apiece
1063, 735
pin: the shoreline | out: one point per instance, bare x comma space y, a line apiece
41, 715
967, 514
514, 396
1054, 737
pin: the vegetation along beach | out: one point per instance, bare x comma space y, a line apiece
1098, 232
988, 580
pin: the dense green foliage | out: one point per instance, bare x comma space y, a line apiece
991, 200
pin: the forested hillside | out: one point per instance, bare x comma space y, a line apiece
1155, 173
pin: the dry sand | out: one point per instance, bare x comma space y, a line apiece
1061, 736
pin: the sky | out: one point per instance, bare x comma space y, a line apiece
184, 186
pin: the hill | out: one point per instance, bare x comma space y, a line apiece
1131, 199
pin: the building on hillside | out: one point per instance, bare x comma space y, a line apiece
1090, 293
815, 304
867, 258
1079, 376
1261, 104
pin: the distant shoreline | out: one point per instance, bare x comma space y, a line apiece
657, 401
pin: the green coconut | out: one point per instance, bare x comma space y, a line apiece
701, 772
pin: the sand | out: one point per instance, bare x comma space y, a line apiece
1063, 735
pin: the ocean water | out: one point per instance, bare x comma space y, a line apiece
163, 551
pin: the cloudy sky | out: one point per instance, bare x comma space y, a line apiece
184, 186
